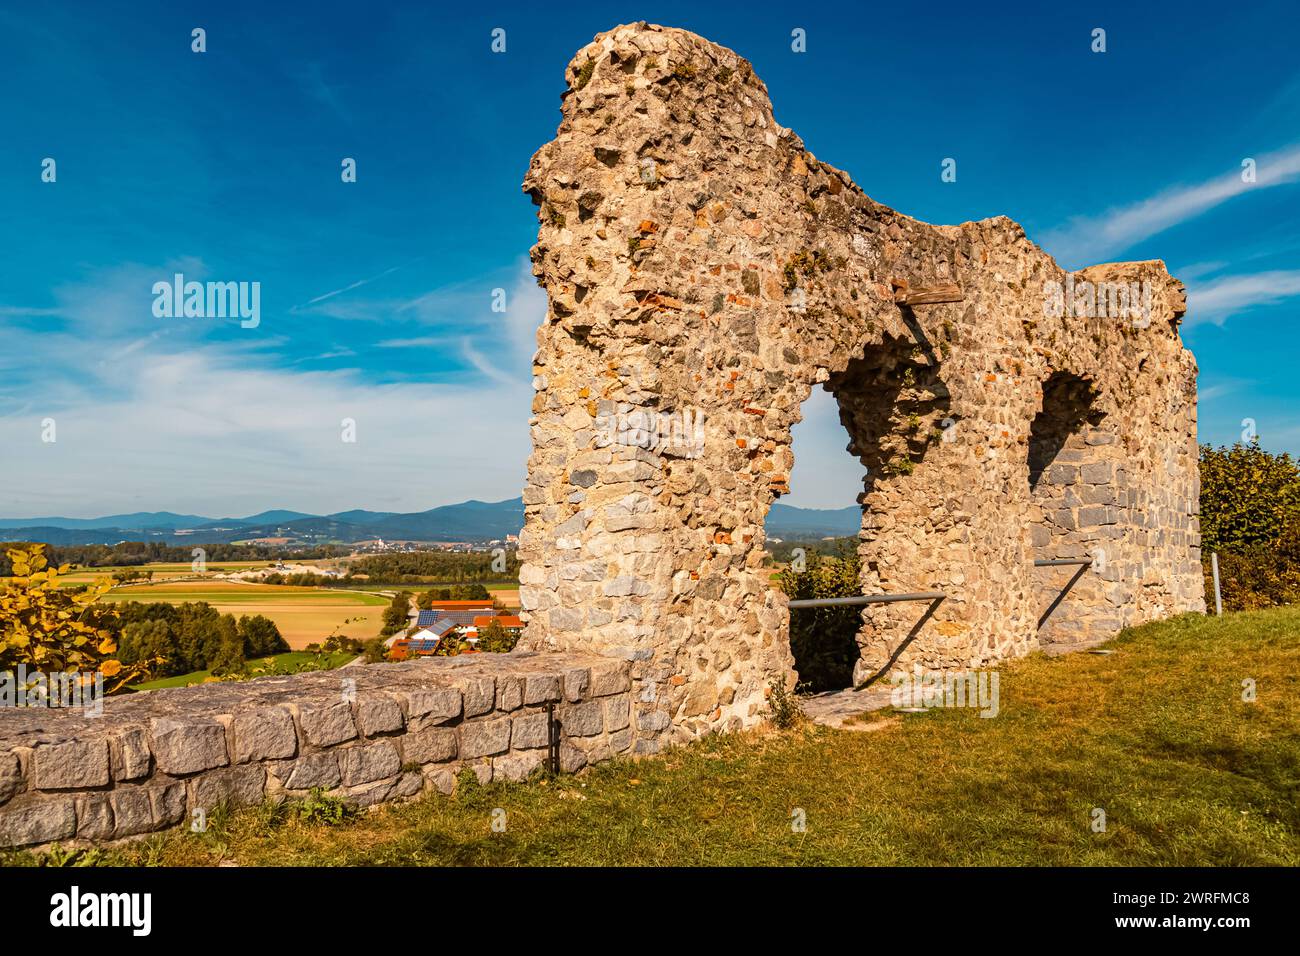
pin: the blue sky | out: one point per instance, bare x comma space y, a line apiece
376, 295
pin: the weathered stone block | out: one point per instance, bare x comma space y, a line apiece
11, 777
129, 754
188, 746
75, 765
516, 766
618, 711
314, 770
240, 786
652, 721
583, 720
479, 694
529, 730
440, 779
94, 817
510, 693
571, 759
378, 714
433, 705
1061, 474
367, 795
433, 745
408, 785
328, 725
41, 822
612, 678
167, 804
540, 688
484, 738
1096, 473
369, 762
576, 682
264, 734
133, 812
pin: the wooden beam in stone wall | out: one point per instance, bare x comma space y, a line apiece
932, 295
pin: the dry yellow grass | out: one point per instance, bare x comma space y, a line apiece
303, 615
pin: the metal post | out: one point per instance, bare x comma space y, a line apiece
552, 739
1218, 597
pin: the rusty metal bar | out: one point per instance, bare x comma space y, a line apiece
1060, 562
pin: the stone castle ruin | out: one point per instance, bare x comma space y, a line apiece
705, 272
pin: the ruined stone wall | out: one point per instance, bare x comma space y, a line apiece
365, 734
699, 261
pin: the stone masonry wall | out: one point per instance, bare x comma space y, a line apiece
702, 266
364, 733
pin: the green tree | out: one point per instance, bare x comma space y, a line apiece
396, 617
495, 639
151, 640
824, 640
261, 637
374, 650
226, 658
1248, 496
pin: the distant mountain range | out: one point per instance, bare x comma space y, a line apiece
467, 521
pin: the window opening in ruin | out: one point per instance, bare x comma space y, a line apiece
893, 406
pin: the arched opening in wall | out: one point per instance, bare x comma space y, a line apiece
1072, 515
893, 407
812, 537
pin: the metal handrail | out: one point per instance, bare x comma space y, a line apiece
921, 595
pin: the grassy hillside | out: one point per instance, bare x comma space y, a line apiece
1156, 734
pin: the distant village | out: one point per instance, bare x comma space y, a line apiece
379, 545
466, 621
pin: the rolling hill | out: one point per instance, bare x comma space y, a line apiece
466, 521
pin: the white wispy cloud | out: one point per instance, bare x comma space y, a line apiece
153, 418
1217, 300
1085, 240
197, 432
347, 288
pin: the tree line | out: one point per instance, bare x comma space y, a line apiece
132, 553
194, 636
426, 567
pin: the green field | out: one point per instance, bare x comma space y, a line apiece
1157, 735
276, 664
161, 571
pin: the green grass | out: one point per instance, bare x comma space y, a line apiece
276, 664
1156, 734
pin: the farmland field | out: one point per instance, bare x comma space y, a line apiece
507, 594
303, 615
161, 571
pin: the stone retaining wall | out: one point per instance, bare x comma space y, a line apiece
366, 734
